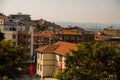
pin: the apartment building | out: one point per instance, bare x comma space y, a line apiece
113, 32
101, 37
51, 57
69, 36
20, 16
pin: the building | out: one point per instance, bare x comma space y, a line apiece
19, 29
101, 37
113, 32
88, 36
2, 19
69, 36
20, 16
51, 57
9, 31
43, 38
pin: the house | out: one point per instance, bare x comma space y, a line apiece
43, 38
88, 36
69, 36
113, 32
20, 16
101, 37
51, 57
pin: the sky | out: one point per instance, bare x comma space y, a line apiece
83, 11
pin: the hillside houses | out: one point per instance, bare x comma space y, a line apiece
46, 43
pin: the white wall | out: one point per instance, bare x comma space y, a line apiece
49, 62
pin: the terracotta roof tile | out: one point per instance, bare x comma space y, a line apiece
41, 49
2, 17
59, 47
44, 34
68, 32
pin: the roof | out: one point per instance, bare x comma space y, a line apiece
46, 34
59, 47
2, 17
68, 32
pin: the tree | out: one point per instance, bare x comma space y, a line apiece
1, 36
11, 58
92, 61
1, 14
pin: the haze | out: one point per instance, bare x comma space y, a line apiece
84, 11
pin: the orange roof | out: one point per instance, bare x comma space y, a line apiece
68, 32
41, 49
2, 17
44, 34
59, 47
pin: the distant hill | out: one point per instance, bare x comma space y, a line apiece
89, 26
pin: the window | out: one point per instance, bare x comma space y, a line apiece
0, 22
96, 36
14, 36
39, 55
38, 66
60, 58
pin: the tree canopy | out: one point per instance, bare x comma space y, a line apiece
1, 36
11, 58
92, 61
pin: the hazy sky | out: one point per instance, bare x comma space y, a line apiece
95, 11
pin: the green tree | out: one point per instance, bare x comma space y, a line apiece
92, 61
1, 36
1, 14
11, 58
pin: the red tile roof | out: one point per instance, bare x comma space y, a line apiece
2, 17
68, 32
46, 34
59, 47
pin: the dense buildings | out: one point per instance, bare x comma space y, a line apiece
47, 41
17, 28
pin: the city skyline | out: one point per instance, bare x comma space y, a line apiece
84, 11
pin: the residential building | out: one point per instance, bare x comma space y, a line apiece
20, 16
101, 37
43, 38
51, 57
88, 36
2, 19
113, 32
19, 29
69, 36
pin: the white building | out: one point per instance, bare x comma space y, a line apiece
10, 29
51, 57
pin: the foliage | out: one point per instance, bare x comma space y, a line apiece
92, 61
1, 36
54, 75
1, 14
11, 58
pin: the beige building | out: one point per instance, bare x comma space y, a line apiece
112, 32
51, 57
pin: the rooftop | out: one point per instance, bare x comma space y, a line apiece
59, 47
68, 32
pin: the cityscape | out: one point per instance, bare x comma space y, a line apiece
39, 49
